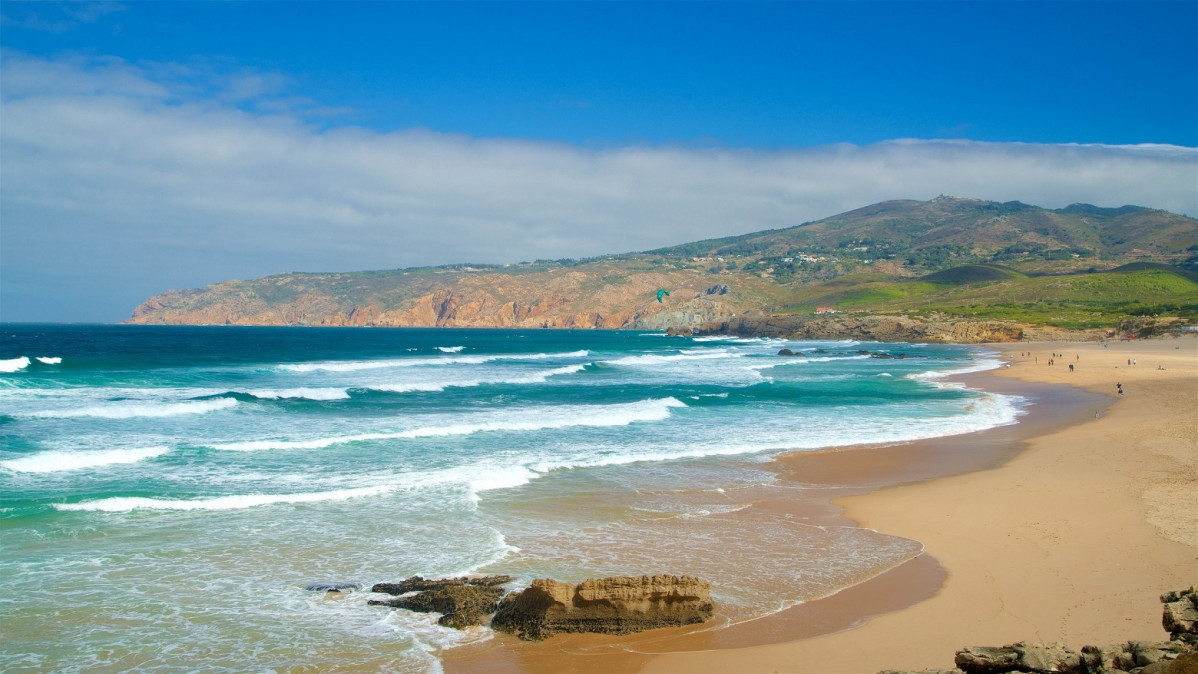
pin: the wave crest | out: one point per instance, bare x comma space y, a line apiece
57, 460
130, 410
14, 364
127, 503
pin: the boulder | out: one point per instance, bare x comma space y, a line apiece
1186, 663
1180, 618
1019, 657
620, 605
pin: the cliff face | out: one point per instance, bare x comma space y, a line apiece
560, 298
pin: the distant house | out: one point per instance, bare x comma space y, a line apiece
825, 310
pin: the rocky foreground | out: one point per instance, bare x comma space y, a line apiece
627, 604
1179, 655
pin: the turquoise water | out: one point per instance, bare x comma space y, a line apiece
167, 492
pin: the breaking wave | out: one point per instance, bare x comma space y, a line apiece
127, 503
130, 410
57, 460
537, 419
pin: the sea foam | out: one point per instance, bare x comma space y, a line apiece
536, 419
59, 460
127, 503
130, 410
356, 365
14, 364
327, 393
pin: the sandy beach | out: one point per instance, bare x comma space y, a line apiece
1071, 540
1065, 527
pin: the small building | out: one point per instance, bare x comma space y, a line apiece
825, 310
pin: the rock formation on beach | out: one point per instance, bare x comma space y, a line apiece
1177, 656
619, 605
462, 602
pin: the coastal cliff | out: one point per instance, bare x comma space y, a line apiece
949, 269
559, 298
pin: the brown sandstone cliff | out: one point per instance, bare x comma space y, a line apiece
559, 298
606, 605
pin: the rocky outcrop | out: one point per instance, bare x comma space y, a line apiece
620, 605
1178, 656
1180, 617
865, 328
462, 602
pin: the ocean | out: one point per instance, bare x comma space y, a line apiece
167, 493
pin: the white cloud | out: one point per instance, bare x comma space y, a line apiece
135, 182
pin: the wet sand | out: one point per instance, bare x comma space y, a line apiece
1058, 528
1070, 540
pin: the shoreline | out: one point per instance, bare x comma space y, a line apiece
1069, 540
874, 624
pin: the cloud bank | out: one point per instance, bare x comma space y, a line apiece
118, 181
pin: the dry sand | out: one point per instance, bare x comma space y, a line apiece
1071, 540
1064, 528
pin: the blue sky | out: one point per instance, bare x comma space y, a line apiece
155, 145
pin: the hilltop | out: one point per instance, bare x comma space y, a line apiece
948, 259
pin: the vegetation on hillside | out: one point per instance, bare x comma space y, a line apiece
1077, 267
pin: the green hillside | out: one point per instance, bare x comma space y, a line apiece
929, 236
1077, 267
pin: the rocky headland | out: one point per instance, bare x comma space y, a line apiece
866, 274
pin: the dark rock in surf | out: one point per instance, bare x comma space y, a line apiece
419, 584
332, 587
462, 602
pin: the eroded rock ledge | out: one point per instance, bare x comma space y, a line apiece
619, 605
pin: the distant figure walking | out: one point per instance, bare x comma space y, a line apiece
1071, 367
1119, 388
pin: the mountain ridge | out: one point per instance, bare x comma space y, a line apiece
882, 258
